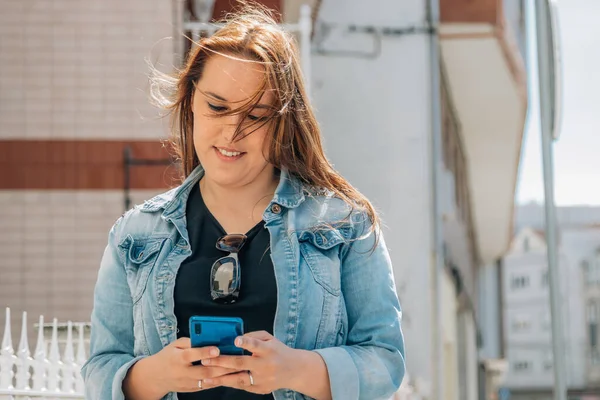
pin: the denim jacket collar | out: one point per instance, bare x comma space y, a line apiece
289, 193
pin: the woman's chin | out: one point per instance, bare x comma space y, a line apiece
232, 175
223, 178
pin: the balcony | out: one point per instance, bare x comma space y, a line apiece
482, 45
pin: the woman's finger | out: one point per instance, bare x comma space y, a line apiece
240, 380
200, 353
261, 335
253, 345
202, 372
240, 363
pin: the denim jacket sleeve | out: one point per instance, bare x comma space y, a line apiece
111, 341
371, 364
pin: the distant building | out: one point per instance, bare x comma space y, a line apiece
527, 320
531, 215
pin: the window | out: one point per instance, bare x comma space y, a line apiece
521, 323
585, 266
547, 322
595, 356
593, 309
545, 278
522, 366
548, 362
591, 270
519, 282
526, 245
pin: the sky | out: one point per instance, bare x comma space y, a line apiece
577, 152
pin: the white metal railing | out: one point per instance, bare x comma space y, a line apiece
43, 375
303, 28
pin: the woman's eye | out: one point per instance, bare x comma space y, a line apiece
216, 108
255, 118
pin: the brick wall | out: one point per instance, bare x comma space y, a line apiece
73, 69
50, 246
71, 72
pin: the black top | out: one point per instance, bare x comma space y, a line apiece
258, 291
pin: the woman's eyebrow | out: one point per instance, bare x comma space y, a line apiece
216, 96
220, 98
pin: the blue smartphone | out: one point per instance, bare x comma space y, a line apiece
217, 331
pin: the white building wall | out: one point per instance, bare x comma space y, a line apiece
470, 390
376, 120
489, 312
531, 304
577, 245
450, 337
527, 320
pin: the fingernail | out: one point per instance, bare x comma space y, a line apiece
206, 362
208, 381
214, 352
239, 342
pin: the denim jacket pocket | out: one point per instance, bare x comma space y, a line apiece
321, 251
139, 256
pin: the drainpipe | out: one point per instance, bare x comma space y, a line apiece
437, 249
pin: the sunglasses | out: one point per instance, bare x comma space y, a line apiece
225, 274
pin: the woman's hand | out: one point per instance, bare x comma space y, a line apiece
174, 369
271, 366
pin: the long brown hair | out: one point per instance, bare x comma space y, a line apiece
251, 33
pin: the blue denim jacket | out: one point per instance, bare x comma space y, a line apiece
335, 295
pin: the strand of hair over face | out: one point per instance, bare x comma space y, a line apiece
251, 34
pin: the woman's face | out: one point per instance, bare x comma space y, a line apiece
226, 84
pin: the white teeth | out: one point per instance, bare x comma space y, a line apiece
229, 153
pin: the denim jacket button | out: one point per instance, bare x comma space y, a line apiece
276, 208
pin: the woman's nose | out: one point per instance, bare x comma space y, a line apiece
229, 128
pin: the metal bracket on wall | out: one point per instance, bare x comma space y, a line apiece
128, 162
324, 29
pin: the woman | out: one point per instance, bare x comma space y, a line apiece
316, 294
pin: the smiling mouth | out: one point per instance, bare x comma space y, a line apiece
229, 153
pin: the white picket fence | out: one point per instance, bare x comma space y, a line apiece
45, 375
